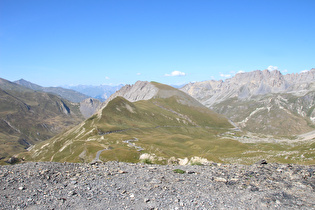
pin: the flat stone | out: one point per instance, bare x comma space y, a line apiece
220, 179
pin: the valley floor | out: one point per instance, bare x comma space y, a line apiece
118, 185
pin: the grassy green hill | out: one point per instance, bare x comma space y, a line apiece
164, 126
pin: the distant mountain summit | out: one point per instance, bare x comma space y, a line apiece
101, 92
70, 95
262, 101
301, 78
246, 85
29, 85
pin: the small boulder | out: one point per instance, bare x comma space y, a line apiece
220, 179
262, 162
13, 160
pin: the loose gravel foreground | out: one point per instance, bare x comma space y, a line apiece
117, 185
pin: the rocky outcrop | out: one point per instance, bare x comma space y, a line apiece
301, 78
117, 185
141, 90
89, 106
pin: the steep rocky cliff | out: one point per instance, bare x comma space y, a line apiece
89, 106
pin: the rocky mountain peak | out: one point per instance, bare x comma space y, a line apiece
257, 77
141, 90
303, 77
248, 84
89, 106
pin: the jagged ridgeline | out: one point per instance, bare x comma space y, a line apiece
147, 119
264, 102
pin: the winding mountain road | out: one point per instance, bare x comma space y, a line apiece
133, 144
97, 158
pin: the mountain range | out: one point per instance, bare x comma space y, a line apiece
70, 95
156, 123
88, 105
101, 92
262, 101
253, 115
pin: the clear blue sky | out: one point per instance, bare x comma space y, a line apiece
63, 42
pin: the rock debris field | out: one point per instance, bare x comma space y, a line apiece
118, 185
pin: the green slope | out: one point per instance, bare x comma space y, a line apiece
28, 117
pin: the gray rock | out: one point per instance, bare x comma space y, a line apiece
248, 84
89, 106
12, 160
271, 186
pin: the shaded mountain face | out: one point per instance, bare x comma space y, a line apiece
146, 118
262, 101
89, 106
28, 117
70, 95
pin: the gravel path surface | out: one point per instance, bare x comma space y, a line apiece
117, 185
